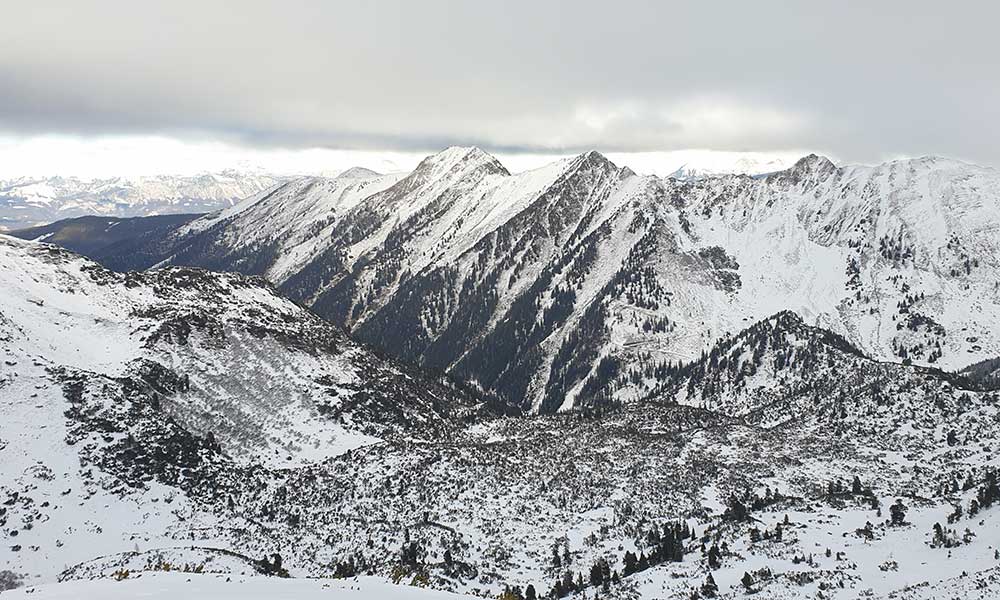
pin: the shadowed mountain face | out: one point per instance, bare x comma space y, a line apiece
584, 284
122, 244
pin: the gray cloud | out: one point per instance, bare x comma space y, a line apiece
860, 80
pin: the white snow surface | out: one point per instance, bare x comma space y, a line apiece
169, 586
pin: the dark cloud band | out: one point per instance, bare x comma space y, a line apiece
860, 80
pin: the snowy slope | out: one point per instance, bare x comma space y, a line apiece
242, 350
120, 392
288, 224
157, 586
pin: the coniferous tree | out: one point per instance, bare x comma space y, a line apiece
629, 563
714, 557
529, 593
989, 492
709, 589
510, 593
898, 512
737, 511
939, 538
596, 574
568, 584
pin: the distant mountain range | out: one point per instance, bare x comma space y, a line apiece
27, 201
32, 201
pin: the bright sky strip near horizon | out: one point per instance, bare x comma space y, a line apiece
133, 156
100, 88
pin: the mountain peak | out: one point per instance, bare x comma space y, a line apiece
463, 158
593, 158
593, 155
452, 153
785, 319
814, 163
358, 173
935, 162
812, 167
782, 330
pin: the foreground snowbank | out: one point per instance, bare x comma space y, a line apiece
168, 586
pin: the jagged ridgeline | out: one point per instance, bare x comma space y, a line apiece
583, 284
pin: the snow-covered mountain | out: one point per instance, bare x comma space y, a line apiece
30, 201
182, 426
579, 283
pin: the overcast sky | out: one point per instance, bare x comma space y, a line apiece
859, 81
